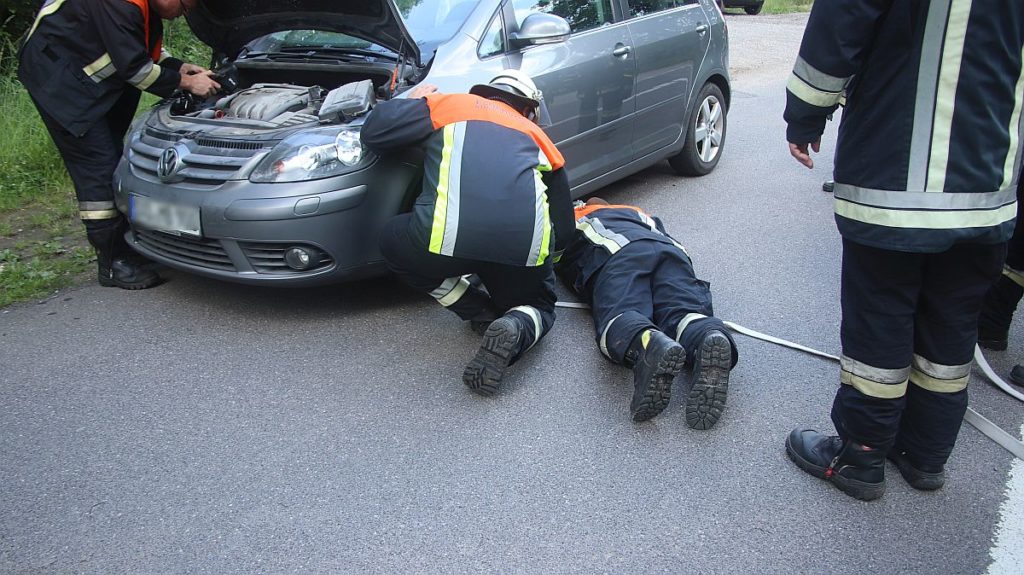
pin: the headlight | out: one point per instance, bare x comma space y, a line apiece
313, 154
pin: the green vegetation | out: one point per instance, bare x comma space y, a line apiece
42, 242
786, 6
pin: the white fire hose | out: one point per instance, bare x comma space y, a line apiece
991, 430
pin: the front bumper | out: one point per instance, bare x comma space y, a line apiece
247, 227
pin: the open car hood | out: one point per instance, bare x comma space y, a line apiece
227, 25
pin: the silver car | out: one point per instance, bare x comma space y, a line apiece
267, 183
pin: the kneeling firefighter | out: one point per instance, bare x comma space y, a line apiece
493, 214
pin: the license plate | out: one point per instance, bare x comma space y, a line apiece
162, 216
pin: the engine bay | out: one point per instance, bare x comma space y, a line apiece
278, 104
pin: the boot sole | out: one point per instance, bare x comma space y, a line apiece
655, 397
108, 282
706, 400
856, 489
484, 372
920, 480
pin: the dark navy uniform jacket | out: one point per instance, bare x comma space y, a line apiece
929, 146
603, 230
493, 187
80, 56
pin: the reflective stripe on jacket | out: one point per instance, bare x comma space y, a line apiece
80, 55
486, 177
601, 232
929, 146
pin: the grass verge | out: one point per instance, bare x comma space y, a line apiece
42, 242
786, 6
781, 6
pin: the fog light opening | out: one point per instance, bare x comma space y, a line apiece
301, 258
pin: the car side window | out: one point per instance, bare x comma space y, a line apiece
581, 14
644, 7
493, 41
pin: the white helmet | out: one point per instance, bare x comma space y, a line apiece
516, 89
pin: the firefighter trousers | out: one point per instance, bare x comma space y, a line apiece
650, 284
908, 333
92, 158
473, 289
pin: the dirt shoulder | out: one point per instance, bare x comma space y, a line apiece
762, 48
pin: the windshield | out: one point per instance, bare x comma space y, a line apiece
430, 22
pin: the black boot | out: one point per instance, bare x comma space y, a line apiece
857, 470
710, 381
500, 347
918, 476
1017, 375
656, 359
997, 313
115, 265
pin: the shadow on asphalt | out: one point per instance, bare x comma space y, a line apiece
360, 296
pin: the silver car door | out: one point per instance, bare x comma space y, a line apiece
670, 39
587, 83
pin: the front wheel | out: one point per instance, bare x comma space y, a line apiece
705, 135
754, 10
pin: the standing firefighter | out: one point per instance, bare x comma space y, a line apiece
493, 214
84, 63
650, 311
925, 174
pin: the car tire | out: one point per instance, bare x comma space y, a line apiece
754, 10
700, 153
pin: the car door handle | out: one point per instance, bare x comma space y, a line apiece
621, 51
702, 29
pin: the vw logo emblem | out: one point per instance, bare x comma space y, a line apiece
170, 163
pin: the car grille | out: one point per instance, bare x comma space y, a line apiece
197, 252
209, 164
268, 258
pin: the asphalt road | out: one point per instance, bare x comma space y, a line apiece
205, 427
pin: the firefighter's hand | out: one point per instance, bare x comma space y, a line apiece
799, 151
201, 84
422, 90
190, 69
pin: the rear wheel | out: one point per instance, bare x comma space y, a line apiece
754, 10
705, 134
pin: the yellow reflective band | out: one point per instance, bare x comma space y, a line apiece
873, 388
685, 322
455, 294
1011, 153
441, 202
97, 65
46, 11
1016, 276
150, 78
924, 381
645, 338
945, 96
812, 95
603, 342
543, 164
97, 214
932, 220
592, 235
535, 317
545, 239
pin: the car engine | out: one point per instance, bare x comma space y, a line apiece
280, 105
